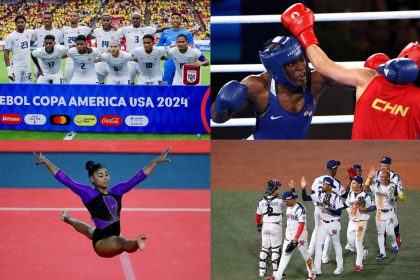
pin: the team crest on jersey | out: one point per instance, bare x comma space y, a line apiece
191, 75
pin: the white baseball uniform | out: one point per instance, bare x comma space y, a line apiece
134, 39
69, 36
385, 214
295, 216
103, 40
118, 74
317, 188
50, 64
149, 65
358, 223
19, 45
394, 178
271, 211
329, 225
181, 59
84, 66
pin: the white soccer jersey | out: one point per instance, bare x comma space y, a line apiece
70, 33
134, 36
384, 195
295, 215
50, 62
39, 34
19, 45
84, 64
181, 59
103, 38
333, 201
271, 210
337, 186
351, 201
149, 63
117, 65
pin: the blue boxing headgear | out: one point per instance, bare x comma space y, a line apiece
281, 51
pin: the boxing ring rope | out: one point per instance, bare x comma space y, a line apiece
323, 17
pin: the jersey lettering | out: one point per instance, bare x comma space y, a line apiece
384, 106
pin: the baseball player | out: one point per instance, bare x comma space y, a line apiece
48, 61
385, 191
360, 205
374, 177
18, 44
182, 55
331, 206
269, 223
354, 170
317, 187
149, 57
296, 236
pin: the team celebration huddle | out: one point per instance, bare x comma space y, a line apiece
377, 196
139, 63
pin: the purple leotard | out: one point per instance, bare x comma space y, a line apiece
104, 208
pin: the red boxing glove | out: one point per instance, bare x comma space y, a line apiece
300, 21
375, 60
351, 172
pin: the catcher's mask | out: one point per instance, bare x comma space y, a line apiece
272, 186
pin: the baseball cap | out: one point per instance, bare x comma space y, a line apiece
357, 167
333, 164
386, 160
328, 181
289, 195
358, 179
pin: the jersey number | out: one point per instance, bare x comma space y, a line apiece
149, 64
116, 69
269, 210
71, 40
51, 64
24, 45
105, 44
82, 66
136, 39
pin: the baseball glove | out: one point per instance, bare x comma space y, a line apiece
361, 203
351, 172
291, 246
259, 227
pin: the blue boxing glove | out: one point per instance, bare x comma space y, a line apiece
230, 98
399, 71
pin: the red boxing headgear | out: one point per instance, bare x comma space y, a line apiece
412, 51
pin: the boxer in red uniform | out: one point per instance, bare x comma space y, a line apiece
387, 101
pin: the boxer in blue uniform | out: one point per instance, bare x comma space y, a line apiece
284, 96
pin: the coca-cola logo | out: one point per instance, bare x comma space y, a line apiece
111, 120
11, 119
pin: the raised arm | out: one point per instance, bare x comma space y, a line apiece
124, 187
83, 191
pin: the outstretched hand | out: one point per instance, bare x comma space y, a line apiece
371, 172
39, 158
303, 182
163, 156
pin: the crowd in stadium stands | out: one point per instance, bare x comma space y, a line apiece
196, 14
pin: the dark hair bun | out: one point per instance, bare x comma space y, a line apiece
89, 165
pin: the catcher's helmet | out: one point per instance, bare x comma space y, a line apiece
272, 186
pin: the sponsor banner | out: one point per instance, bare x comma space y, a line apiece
202, 45
98, 108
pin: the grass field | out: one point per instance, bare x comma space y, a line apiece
235, 242
205, 74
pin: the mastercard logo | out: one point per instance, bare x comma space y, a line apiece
60, 119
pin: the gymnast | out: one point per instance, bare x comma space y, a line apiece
104, 205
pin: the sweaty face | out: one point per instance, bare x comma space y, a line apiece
296, 70
81, 46
49, 45
100, 178
20, 24
175, 21
182, 44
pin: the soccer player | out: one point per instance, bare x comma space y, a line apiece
116, 61
84, 62
169, 38
70, 34
133, 35
182, 55
103, 36
149, 57
48, 61
39, 34
18, 43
